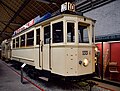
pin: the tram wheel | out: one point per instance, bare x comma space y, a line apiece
32, 73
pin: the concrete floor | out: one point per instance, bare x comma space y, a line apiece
111, 87
10, 81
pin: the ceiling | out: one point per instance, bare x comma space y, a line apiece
15, 13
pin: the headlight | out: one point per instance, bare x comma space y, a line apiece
85, 62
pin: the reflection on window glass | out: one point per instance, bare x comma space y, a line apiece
46, 34
38, 36
17, 42
30, 38
13, 43
70, 32
57, 32
83, 34
22, 42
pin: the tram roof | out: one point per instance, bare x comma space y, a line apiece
15, 13
50, 17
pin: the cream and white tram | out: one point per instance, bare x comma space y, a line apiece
62, 45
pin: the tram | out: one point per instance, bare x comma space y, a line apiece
62, 45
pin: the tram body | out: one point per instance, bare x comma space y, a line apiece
62, 45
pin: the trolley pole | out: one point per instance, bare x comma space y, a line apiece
22, 72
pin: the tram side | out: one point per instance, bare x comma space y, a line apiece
23, 47
61, 45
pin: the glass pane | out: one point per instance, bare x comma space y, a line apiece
58, 32
30, 38
108, 68
83, 34
70, 32
13, 43
22, 40
38, 36
93, 36
46, 34
17, 42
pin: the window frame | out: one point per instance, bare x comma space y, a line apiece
53, 32
44, 33
24, 40
30, 38
93, 33
74, 31
18, 42
13, 43
37, 41
87, 25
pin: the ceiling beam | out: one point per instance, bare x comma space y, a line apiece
6, 10
8, 26
81, 2
13, 10
16, 14
5, 34
4, 37
98, 5
90, 5
8, 34
12, 23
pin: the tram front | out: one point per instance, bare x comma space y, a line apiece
80, 46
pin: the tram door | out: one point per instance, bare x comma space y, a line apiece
46, 47
38, 48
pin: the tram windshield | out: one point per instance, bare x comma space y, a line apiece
58, 32
93, 35
70, 32
83, 33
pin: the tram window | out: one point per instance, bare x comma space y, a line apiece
70, 32
38, 36
30, 38
17, 42
83, 34
57, 32
22, 43
13, 43
93, 36
46, 34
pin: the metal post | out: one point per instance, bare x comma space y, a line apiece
110, 52
21, 75
22, 72
102, 73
